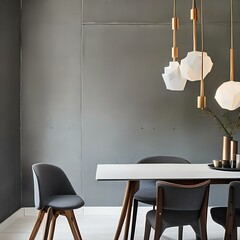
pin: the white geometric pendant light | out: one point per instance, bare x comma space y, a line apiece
173, 78
172, 75
228, 94
191, 65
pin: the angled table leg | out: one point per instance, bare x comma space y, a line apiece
131, 188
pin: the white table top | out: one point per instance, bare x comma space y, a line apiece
117, 172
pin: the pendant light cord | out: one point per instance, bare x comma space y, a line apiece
232, 43
231, 21
202, 39
194, 19
175, 26
174, 8
174, 30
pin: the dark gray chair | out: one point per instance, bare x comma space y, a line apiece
229, 217
54, 195
147, 191
179, 205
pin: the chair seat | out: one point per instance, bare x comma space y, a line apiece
174, 218
66, 202
219, 215
146, 195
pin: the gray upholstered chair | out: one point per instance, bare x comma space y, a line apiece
229, 217
54, 195
147, 191
179, 205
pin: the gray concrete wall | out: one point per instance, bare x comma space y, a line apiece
10, 187
51, 89
92, 90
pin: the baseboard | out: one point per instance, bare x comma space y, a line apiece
31, 211
11, 219
110, 210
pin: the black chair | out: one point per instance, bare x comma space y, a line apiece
54, 195
179, 205
229, 217
147, 191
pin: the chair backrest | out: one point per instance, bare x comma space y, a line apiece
178, 197
234, 194
233, 215
157, 160
163, 159
49, 180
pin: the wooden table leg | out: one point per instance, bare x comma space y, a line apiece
131, 188
134, 188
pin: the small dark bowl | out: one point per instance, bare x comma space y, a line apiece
217, 163
226, 164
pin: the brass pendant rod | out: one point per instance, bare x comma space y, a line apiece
174, 8
232, 45
194, 18
175, 27
201, 100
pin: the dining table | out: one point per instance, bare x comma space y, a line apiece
179, 173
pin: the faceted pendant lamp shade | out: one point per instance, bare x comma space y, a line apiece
228, 95
191, 65
173, 78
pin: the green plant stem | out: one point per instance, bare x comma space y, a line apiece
236, 125
219, 122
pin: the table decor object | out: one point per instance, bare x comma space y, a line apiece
223, 169
229, 123
217, 163
238, 161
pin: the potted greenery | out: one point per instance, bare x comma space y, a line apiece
226, 123
229, 123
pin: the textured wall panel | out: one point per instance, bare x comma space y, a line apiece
51, 89
10, 187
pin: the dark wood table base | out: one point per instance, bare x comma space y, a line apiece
131, 189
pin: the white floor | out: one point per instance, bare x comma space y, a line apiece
97, 227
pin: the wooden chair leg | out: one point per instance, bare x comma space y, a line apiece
158, 227
48, 222
180, 232
203, 223
147, 230
203, 216
229, 229
76, 225
227, 237
37, 224
158, 231
71, 221
53, 224
234, 234
134, 218
231, 235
